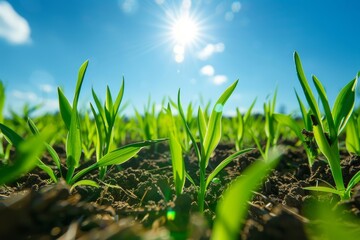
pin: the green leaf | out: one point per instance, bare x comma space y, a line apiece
310, 98
187, 128
117, 156
353, 181
11, 136
47, 169
352, 135
27, 153
99, 108
202, 125
74, 143
331, 153
85, 182
305, 114
65, 108
100, 134
329, 118
213, 132
49, 148
32, 126
291, 123
224, 163
176, 155
325, 189
232, 208
119, 98
344, 105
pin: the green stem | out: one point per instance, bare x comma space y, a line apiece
69, 174
201, 193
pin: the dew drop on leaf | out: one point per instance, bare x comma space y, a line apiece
219, 107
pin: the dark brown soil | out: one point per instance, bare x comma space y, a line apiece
134, 199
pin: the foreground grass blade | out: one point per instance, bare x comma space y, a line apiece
331, 224
16, 141
232, 209
213, 131
27, 153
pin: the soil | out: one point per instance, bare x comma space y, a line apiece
134, 199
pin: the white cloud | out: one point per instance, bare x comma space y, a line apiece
25, 96
219, 79
207, 70
47, 88
13, 27
210, 49
43, 80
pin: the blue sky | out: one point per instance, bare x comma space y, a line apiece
44, 42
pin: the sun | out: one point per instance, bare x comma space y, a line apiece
185, 30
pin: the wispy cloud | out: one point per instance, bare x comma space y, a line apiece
13, 27
28, 97
46, 88
43, 80
219, 79
210, 49
207, 70
24, 95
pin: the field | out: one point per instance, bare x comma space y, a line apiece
186, 172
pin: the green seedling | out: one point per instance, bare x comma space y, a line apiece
271, 128
89, 140
105, 117
184, 138
327, 135
148, 121
231, 210
305, 135
71, 119
243, 124
209, 137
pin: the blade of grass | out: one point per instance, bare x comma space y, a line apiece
224, 163
344, 105
213, 132
232, 208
